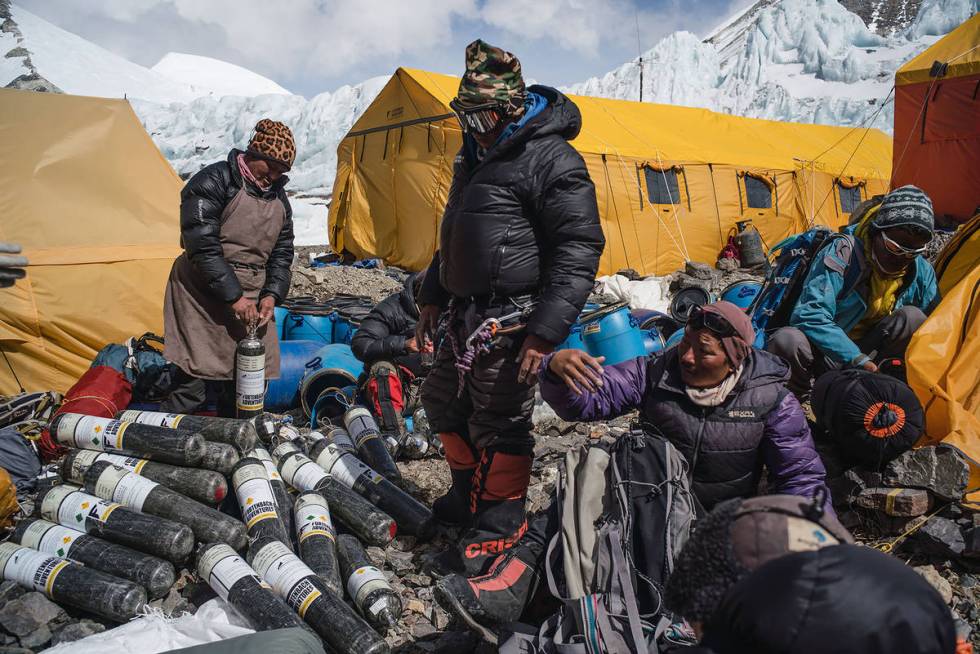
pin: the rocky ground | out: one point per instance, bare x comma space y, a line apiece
920, 524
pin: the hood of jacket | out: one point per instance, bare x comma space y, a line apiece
407, 296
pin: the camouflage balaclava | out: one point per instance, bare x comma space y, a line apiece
492, 74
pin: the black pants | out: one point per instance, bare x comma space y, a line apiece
190, 395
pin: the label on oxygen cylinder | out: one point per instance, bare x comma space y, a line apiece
81, 462
50, 538
345, 467
361, 426
250, 381
287, 575
340, 437
313, 519
131, 463
263, 455
283, 450
30, 568
254, 494
121, 485
364, 581
222, 569
154, 418
90, 432
70, 507
301, 473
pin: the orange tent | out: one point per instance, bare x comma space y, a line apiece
937, 122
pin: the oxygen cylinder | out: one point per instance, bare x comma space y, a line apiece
318, 539
240, 433
257, 501
238, 584
371, 447
266, 426
205, 486
71, 507
371, 524
367, 586
749, 242
174, 446
284, 501
117, 484
152, 573
70, 583
250, 375
331, 618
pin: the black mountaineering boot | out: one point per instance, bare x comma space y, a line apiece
497, 597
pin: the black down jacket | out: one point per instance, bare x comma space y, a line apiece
842, 599
384, 331
524, 220
202, 201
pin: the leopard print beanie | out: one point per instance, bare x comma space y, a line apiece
273, 140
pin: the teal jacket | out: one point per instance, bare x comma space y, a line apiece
834, 296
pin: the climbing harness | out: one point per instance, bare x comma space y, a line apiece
480, 341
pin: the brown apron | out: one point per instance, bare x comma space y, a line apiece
200, 331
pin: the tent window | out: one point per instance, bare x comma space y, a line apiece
758, 193
850, 198
662, 186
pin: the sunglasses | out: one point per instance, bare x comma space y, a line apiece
701, 319
478, 119
900, 250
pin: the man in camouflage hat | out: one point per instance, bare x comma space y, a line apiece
520, 243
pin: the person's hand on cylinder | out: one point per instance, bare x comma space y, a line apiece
532, 352
267, 308
425, 330
579, 370
11, 264
246, 310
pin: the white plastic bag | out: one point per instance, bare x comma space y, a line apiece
649, 293
154, 632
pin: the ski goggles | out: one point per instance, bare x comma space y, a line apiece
478, 119
900, 250
716, 323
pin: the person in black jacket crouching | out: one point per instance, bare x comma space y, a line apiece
386, 343
520, 242
236, 229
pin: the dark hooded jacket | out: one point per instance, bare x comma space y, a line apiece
760, 422
384, 331
202, 201
522, 221
842, 599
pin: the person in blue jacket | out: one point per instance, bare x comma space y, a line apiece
866, 294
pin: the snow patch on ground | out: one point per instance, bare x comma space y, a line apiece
310, 220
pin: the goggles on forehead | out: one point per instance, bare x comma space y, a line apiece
900, 250
478, 119
700, 319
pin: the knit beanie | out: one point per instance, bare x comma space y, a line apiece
492, 74
737, 346
906, 206
737, 537
273, 140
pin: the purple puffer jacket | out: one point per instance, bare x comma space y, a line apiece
760, 423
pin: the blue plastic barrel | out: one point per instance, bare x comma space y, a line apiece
675, 338
343, 330
612, 333
283, 393
332, 403
334, 366
742, 293
574, 339
310, 327
280, 317
653, 340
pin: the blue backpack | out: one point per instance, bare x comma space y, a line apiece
774, 304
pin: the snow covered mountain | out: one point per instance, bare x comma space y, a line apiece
219, 76
809, 61
38, 55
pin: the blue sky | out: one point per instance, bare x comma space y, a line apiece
310, 46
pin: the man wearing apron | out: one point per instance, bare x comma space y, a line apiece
236, 229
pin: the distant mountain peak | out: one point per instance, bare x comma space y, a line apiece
221, 77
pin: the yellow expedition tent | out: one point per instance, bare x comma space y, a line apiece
94, 204
942, 357
671, 181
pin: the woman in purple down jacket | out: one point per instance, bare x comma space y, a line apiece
722, 403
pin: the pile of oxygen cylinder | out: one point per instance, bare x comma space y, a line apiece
274, 521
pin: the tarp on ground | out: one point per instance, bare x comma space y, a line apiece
942, 370
94, 204
937, 122
670, 181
